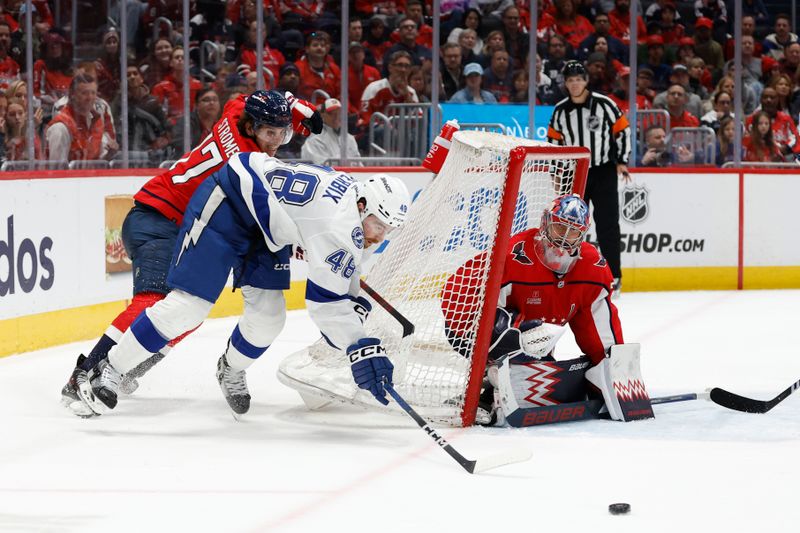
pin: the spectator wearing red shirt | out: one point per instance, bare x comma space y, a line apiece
272, 59
393, 89
9, 69
748, 28
317, 69
170, 89
408, 43
77, 131
360, 75
414, 11
676, 107
597, 68
621, 92
16, 137
759, 144
671, 31
620, 18
377, 41
783, 129
570, 25
53, 73
155, 67
107, 66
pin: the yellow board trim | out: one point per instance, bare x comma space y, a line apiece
679, 279
770, 277
34, 332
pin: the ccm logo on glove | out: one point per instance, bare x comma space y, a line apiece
367, 352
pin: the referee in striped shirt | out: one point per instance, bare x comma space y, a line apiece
593, 120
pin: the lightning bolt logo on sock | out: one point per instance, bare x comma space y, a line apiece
193, 235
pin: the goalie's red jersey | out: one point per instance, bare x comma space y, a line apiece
170, 191
580, 298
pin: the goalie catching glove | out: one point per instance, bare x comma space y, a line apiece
370, 366
305, 117
510, 334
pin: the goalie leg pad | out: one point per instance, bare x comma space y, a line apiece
522, 385
619, 379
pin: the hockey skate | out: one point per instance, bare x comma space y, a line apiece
234, 387
100, 394
129, 384
69, 393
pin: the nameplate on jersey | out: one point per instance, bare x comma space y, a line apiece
338, 187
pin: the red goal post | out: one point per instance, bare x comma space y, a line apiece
490, 187
517, 158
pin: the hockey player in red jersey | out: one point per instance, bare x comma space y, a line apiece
551, 278
260, 122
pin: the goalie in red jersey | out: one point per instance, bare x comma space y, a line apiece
551, 278
260, 122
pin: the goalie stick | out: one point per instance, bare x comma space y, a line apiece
749, 405
473, 467
408, 327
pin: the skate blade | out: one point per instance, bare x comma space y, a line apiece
81, 410
90, 400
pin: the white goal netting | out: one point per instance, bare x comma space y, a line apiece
454, 221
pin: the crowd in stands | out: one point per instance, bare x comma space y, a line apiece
684, 76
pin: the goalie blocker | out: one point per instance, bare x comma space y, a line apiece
535, 392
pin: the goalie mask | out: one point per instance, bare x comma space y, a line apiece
563, 229
385, 197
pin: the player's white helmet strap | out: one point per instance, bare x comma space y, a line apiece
386, 197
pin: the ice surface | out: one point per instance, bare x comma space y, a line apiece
171, 457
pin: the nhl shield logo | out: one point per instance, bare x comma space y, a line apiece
634, 204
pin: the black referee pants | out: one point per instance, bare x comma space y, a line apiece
601, 191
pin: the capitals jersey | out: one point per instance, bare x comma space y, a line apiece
313, 207
170, 191
580, 298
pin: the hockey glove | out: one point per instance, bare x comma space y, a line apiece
507, 334
370, 366
305, 117
362, 307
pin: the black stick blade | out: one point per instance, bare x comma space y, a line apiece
738, 403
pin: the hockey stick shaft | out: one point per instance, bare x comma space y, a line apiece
473, 467
408, 327
749, 405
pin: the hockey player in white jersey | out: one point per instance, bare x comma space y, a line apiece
246, 217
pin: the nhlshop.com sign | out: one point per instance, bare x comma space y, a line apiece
678, 220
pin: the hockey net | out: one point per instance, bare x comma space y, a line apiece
490, 187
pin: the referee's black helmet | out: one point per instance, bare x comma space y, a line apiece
575, 68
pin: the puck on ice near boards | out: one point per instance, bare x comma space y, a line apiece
619, 508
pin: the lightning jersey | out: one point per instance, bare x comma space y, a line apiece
580, 298
312, 207
170, 191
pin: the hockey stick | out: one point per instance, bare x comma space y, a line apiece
583, 410
473, 467
749, 405
408, 327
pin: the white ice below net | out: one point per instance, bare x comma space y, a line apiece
453, 220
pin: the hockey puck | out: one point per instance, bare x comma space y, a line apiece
619, 508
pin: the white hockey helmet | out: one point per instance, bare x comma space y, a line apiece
386, 197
